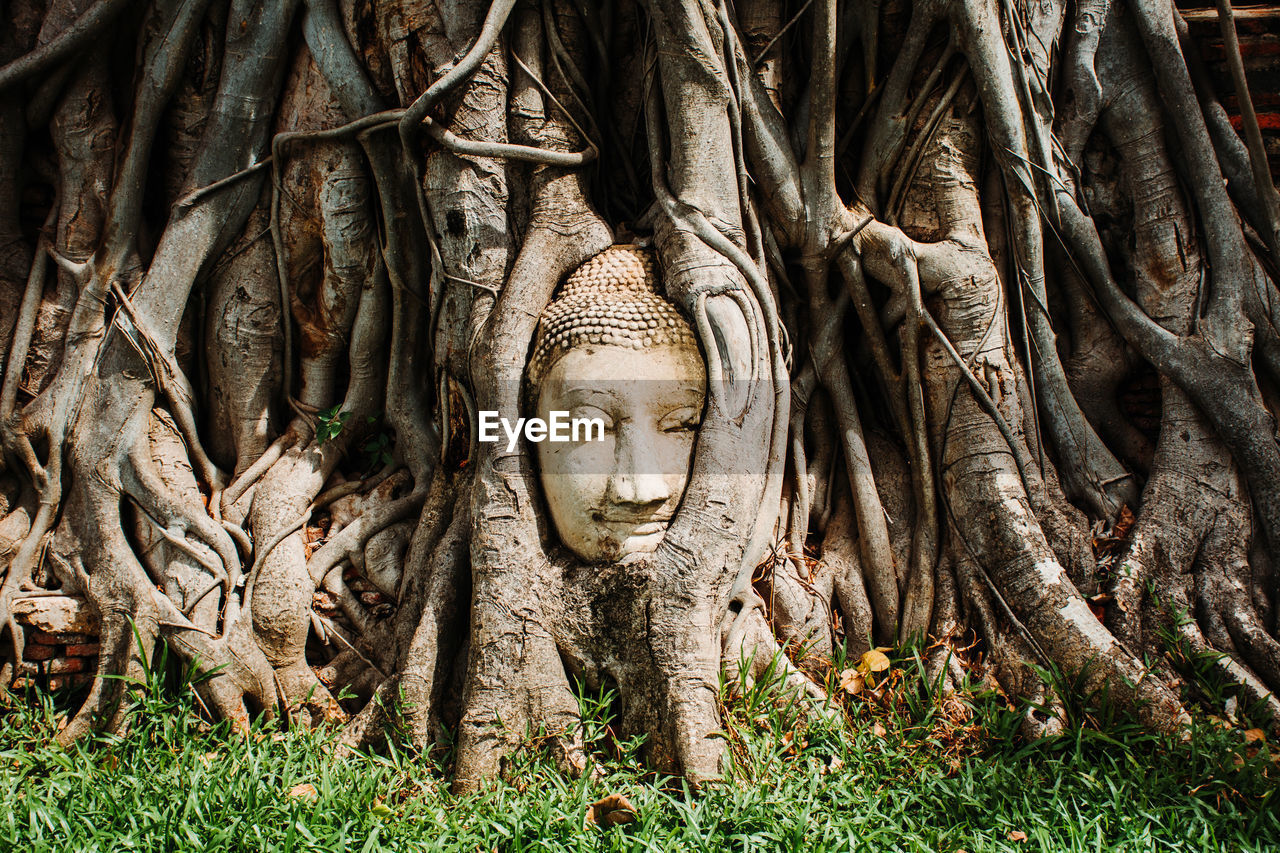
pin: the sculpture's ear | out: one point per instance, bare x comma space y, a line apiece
731, 348
711, 290
733, 468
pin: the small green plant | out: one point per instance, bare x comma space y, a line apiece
1080, 705
1202, 676
330, 422
378, 449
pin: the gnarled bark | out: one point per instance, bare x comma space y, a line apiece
246, 344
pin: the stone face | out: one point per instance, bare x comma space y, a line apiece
611, 349
615, 497
58, 615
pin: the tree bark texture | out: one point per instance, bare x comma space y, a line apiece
261, 264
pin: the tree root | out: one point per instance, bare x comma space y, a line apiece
414, 267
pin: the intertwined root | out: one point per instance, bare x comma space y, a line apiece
898, 413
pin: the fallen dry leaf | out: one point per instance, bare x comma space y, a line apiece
879, 730
1125, 523
1255, 736
1018, 835
1098, 605
304, 791
852, 681
613, 810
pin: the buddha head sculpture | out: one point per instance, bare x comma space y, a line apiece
610, 347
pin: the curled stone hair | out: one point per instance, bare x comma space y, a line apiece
611, 300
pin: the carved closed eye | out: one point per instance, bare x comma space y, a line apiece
686, 419
592, 413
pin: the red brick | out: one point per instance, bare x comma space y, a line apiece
36, 651
64, 666
61, 682
44, 638
83, 650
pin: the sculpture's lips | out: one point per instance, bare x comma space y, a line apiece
639, 526
649, 528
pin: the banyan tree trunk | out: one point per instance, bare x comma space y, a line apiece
263, 265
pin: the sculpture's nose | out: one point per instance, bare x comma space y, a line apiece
639, 490
636, 480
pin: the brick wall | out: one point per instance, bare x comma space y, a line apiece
1258, 28
61, 634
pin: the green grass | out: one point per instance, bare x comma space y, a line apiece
909, 773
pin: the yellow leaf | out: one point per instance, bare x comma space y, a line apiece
875, 661
381, 810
